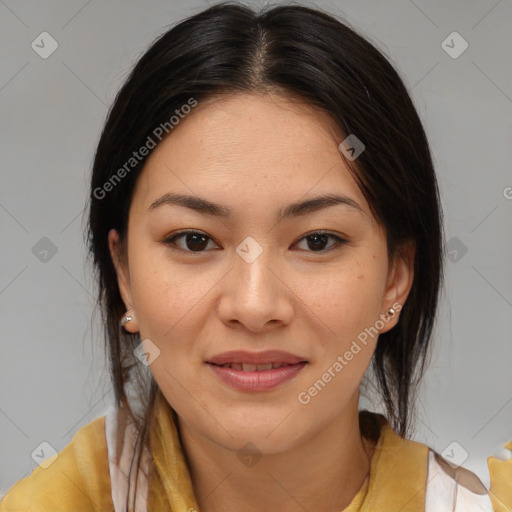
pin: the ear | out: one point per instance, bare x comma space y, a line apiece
120, 262
399, 283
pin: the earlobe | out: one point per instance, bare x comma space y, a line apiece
123, 280
129, 322
399, 284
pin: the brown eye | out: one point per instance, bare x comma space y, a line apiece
317, 242
192, 241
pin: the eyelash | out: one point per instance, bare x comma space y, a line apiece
170, 241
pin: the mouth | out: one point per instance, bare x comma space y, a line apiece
255, 361
256, 377
256, 371
247, 367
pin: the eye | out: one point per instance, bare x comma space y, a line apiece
317, 241
193, 241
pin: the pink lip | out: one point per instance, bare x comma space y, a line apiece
257, 380
269, 356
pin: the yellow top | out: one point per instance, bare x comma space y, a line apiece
501, 482
77, 479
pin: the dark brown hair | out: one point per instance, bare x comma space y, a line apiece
306, 53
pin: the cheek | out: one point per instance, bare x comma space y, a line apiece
347, 298
349, 305
168, 297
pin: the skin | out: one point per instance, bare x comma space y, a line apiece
256, 154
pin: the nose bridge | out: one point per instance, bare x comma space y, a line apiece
253, 294
251, 269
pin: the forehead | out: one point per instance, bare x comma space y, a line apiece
249, 147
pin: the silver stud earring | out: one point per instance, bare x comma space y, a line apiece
126, 318
390, 312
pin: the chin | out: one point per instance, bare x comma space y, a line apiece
267, 438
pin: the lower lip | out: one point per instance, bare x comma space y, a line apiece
257, 380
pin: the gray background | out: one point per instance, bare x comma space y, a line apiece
53, 377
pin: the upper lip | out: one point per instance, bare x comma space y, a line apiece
269, 356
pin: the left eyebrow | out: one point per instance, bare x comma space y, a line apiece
296, 209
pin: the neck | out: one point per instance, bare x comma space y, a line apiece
335, 462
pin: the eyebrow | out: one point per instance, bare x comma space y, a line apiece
296, 209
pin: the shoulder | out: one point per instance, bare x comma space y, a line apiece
454, 488
500, 471
76, 478
426, 480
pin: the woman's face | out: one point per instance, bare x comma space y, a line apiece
255, 277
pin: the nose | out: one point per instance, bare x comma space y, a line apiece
255, 295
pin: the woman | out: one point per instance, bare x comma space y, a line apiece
266, 227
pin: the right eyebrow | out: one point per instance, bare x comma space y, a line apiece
193, 202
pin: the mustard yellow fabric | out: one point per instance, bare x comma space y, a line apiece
501, 482
170, 487
77, 480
